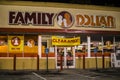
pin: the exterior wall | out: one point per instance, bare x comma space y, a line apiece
31, 63
90, 63
6, 63
5, 9
26, 63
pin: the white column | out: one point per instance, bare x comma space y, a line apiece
48, 43
56, 56
88, 42
73, 48
39, 45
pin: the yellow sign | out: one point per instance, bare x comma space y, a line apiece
65, 41
16, 44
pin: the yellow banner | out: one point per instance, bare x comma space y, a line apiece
65, 41
16, 44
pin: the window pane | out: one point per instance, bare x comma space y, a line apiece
3, 45
108, 44
82, 48
96, 45
30, 45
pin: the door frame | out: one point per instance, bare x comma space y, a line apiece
65, 58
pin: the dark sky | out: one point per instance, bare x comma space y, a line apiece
115, 3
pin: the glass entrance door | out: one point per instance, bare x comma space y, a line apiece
66, 56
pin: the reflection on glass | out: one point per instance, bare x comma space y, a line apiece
60, 55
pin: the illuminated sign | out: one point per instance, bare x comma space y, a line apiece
95, 21
64, 19
34, 18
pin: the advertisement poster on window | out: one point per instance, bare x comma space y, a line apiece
58, 41
16, 44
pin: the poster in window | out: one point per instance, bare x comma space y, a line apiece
16, 44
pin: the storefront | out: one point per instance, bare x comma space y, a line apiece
26, 31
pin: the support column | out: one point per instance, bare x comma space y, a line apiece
56, 55
39, 45
14, 62
73, 50
89, 50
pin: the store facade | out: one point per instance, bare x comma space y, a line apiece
26, 32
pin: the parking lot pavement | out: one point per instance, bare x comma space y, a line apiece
76, 74
66, 74
18, 75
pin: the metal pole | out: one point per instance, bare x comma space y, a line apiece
37, 62
83, 61
103, 61
110, 60
96, 61
47, 61
14, 62
102, 44
61, 66
79, 60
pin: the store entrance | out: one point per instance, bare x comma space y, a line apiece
65, 56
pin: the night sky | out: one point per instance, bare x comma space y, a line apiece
114, 3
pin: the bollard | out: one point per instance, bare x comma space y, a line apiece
14, 62
83, 61
37, 62
103, 61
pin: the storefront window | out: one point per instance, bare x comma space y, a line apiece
82, 48
117, 42
47, 43
3, 45
117, 47
104, 45
30, 45
108, 47
96, 43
